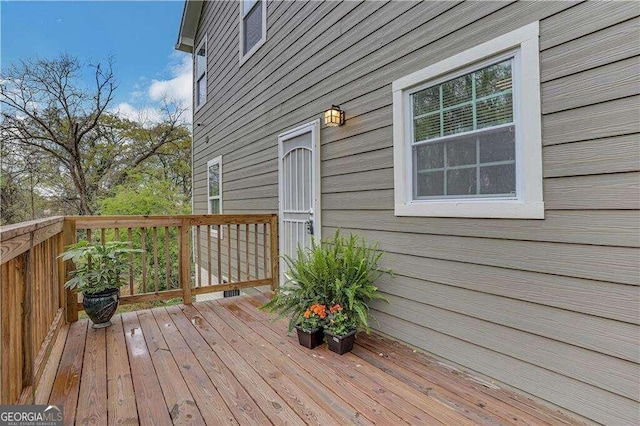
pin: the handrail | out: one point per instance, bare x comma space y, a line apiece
184, 256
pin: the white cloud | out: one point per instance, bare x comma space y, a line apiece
177, 88
146, 99
146, 115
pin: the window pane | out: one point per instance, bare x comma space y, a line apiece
458, 120
461, 181
214, 206
427, 100
426, 127
495, 111
498, 145
201, 91
461, 151
429, 156
201, 61
430, 184
498, 179
214, 180
246, 6
457, 91
252, 27
493, 79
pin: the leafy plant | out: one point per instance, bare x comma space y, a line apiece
338, 271
313, 318
338, 321
99, 267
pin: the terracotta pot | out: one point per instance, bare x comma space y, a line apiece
340, 344
100, 307
309, 339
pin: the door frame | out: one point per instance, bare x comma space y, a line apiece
314, 128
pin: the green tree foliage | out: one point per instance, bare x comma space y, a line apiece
85, 153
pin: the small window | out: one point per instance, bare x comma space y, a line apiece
253, 27
214, 187
201, 73
467, 133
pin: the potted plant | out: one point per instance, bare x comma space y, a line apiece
338, 271
310, 326
340, 330
100, 271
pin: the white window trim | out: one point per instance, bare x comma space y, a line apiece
529, 202
254, 49
196, 107
217, 160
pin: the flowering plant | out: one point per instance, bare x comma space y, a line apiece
313, 318
338, 321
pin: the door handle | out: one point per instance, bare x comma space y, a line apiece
309, 224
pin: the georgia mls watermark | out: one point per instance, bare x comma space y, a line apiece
31, 415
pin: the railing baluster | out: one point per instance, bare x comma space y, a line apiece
246, 246
198, 258
219, 230
209, 279
103, 236
229, 278
116, 232
130, 239
238, 251
255, 250
264, 250
143, 243
167, 259
155, 257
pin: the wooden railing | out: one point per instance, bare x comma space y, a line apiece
31, 304
182, 256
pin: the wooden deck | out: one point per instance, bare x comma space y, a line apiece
224, 362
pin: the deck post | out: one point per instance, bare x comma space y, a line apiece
71, 298
185, 278
275, 266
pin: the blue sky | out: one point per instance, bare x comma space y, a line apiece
140, 35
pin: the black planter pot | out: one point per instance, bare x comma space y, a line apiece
340, 344
310, 339
100, 307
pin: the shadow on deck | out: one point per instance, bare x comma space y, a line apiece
224, 362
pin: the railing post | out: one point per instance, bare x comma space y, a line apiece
71, 299
185, 270
275, 260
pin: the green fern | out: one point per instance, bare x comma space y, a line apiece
339, 271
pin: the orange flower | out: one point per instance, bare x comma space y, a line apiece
319, 310
335, 308
307, 313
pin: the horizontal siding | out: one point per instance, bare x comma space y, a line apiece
594, 227
603, 407
596, 298
549, 306
615, 264
496, 323
593, 157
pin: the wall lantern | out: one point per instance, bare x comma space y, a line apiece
334, 117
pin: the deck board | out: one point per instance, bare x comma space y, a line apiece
122, 408
224, 362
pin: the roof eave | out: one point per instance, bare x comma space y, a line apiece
189, 25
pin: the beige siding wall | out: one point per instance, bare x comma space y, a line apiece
551, 307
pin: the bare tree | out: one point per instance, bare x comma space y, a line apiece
45, 107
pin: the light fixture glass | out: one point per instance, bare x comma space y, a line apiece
334, 117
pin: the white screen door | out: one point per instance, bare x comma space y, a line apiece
298, 189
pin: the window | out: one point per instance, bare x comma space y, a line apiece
214, 187
467, 133
201, 73
253, 27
